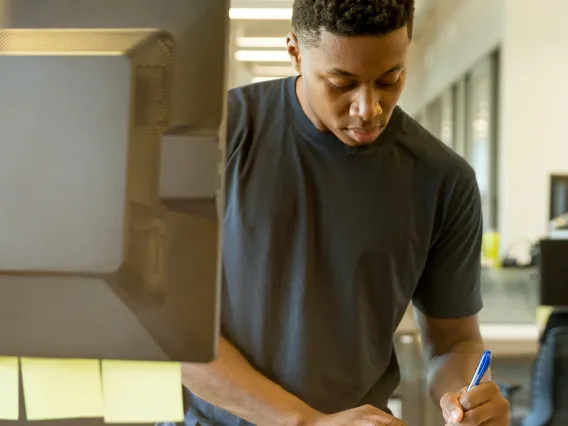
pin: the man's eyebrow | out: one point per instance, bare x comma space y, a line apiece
394, 69
343, 73
340, 72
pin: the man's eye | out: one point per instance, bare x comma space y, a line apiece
388, 83
341, 85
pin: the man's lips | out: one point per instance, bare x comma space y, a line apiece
364, 135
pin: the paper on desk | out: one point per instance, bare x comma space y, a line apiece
142, 392
62, 388
9, 388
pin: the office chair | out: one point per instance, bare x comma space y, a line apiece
508, 390
549, 386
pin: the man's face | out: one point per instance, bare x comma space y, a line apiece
351, 85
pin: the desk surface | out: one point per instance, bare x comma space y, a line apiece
503, 339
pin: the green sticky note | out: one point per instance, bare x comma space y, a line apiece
56, 389
142, 392
9, 388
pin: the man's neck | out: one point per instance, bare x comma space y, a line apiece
301, 94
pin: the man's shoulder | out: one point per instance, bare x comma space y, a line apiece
432, 152
257, 95
252, 107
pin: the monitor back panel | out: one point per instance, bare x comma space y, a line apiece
111, 249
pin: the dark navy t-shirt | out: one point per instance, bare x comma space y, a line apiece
325, 247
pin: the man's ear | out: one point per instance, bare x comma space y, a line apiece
293, 46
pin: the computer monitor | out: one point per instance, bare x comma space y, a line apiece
558, 195
112, 135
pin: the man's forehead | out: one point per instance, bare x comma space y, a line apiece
353, 54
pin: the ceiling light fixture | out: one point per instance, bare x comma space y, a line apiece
264, 78
261, 42
266, 13
262, 56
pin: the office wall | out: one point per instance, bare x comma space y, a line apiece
534, 108
533, 96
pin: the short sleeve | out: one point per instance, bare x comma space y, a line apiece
449, 286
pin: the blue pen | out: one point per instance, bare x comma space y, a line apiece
482, 368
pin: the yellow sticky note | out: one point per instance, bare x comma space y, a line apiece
142, 392
62, 388
9, 388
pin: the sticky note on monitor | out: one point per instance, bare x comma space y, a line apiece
57, 389
9, 388
142, 392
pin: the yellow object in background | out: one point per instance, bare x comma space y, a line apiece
9, 388
542, 315
62, 388
142, 392
490, 249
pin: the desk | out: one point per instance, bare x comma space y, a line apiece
503, 338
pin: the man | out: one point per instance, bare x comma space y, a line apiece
340, 211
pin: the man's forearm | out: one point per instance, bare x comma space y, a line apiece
453, 370
233, 385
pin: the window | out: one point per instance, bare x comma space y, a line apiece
464, 117
481, 121
447, 112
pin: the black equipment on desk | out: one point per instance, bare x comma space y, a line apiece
554, 272
558, 195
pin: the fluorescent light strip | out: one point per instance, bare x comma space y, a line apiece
266, 78
59, 53
262, 56
267, 13
261, 42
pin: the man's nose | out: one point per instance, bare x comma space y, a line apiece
367, 106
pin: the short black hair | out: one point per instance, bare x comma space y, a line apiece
350, 17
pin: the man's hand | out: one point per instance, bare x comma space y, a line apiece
366, 415
482, 405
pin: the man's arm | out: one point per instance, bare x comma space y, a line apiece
233, 385
452, 348
448, 297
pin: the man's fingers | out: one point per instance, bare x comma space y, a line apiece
451, 408
486, 414
381, 417
479, 395
478, 415
369, 415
